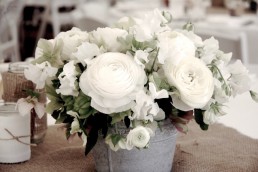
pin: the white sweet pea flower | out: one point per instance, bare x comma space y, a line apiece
71, 39
240, 79
86, 52
141, 57
112, 81
157, 94
212, 114
197, 40
39, 73
219, 93
174, 47
68, 79
210, 49
24, 106
75, 126
107, 37
149, 25
145, 108
193, 80
138, 137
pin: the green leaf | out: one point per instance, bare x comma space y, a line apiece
91, 140
198, 116
254, 96
188, 26
115, 138
119, 117
32, 93
52, 106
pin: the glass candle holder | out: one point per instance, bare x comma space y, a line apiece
14, 84
14, 135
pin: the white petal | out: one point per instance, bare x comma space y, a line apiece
24, 107
39, 109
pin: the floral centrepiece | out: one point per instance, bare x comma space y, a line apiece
139, 72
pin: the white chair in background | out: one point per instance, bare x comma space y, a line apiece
9, 40
230, 42
88, 24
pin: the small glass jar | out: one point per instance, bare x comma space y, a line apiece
14, 135
14, 84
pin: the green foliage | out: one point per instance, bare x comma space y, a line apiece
117, 117
32, 93
115, 138
188, 26
198, 115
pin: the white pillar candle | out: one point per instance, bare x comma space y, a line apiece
14, 150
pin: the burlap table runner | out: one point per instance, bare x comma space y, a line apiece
219, 149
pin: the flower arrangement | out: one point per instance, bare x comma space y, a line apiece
139, 72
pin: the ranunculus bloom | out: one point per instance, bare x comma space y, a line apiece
193, 80
112, 81
138, 137
174, 47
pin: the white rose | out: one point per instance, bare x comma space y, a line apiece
107, 37
138, 137
193, 80
112, 81
174, 47
71, 39
39, 73
68, 79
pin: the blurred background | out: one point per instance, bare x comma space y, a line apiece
22, 22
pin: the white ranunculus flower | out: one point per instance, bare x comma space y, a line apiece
71, 39
174, 47
39, 73
193, 80
112, 81
86, 52
138, 137
107, 37
149, 25
240, 79
67, 80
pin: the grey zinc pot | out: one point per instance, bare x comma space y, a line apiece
157, 158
